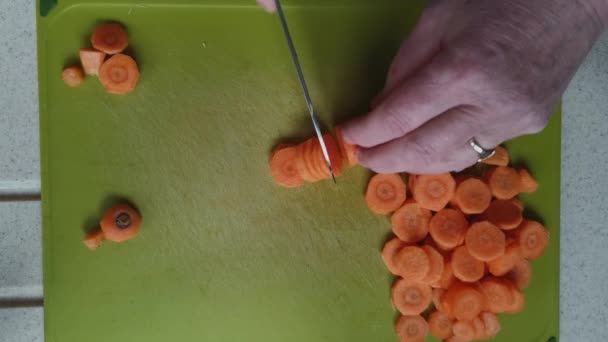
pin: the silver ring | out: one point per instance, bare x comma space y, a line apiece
482, 153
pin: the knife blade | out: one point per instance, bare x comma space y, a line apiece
311, 109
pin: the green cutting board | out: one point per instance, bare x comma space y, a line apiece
224, 254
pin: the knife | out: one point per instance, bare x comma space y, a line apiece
311, 109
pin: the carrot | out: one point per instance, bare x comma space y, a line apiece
412, 262
504, 182
485, 241
472, 196
521, 274
506, 214
519, 302
119, 74
91, 60
491, 322
334, 156
533, 239
447, 276
506, 262
465, 301
466, 267
480, 328
448, 228
456, 339
411, 328
437, 299
348, 151
498, 293
411, 297
110, 38
283, 167
464, 330
435, 266
72, 76
440, 325
391, 248
120, 223
500, 157
304, 152
411, 222
527, 183
385, 193
94, 239
433, 192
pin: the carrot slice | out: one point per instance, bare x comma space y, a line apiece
465, 301
491, 323
433, 192
504, 182
480, 328
457, 339
411, 297
500, 157
412, 262
120, 223
521, 274
91, 60
411, 328
447, 276
110, 38
303, 165
385, 193
411, 222
435, 266
72, 76
466, 267
94, 239
485, 241
440, 325
506, 214
391, 248
411, 180
533, 239
498, 293
464, 330
283, 167
472, 196
506, 262
119, 74
348, 151
527, 183
519, 302
448, 228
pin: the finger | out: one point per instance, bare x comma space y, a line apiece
268, 5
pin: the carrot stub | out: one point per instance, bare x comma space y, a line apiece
72, 76
440, 325
498, 293
412, 262
448, 228
348, 151
390, 250
485, 241
385, 193
433, 192
533, 239
91, 60
506, 214
411, 222
436, 265
527, 183
500, 157
520, 274
412, 328
472, 196
411, 297
110, 38
119, 74
465, 301
466, 267
283, 167
506, 262
120, 223
504, 182
94, 239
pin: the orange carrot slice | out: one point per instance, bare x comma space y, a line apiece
527, 183
110, 38
385, 193
456, 339
72, 76
91, 60
119, 74
439, 302
485, 241
498, 293
465, 301
435, 266
433, 192
447, 276
480, 328
506, 262
411, 222
466, 267
506, 214
304, 152
448, 228
94, 239
390, 250
533, 239
491, 323
472, 196
519, 302
348, 151
521, 274
411, 328
120, 223
464, 330
283, 167
504, 182
412, 263
500, 157
440, 325
411, 297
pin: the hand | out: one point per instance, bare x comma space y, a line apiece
492, 70
268, 5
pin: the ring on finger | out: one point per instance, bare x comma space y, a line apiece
482, 153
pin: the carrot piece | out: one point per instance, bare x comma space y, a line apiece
457, 339
506, 214
348, 151
433, 192
94, 239
527, 183
411, 222
448, 228
283, 167
440, 303
504, 182
440, 325
120, 223
91, 60
110, 38
506, 262
498, 293
447, 276
411, 328
391, 248
412, 262
303, 164
519, 302
466, 267
472, 196
500, 157
385, 193
435, 266
464, 330
119, 74
521, 274
485, 241
72, 76
491, 323
480, 328
411, 180
465, 301
533, 239
411, 297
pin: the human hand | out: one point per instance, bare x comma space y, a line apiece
489, 70
268, 5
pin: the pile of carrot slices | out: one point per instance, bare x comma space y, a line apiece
119, 73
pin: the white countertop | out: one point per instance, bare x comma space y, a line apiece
584, 275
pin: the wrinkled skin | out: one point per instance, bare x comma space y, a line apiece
489, 70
